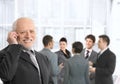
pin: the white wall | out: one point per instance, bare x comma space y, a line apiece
114, 33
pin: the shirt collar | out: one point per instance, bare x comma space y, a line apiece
25, 49
77, 54
90, 50
103, 50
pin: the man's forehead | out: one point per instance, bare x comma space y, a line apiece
24, 21
25, 24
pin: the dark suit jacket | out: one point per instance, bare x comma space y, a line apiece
76, 70
105, 66
61, 59
16, 67
92, 58
61, 56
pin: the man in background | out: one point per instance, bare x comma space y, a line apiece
105, 64
52, 57
76, 67
89, 54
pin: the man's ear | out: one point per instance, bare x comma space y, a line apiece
73, 50
49, 43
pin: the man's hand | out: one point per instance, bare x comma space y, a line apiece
92, 69
12, 38
90, 63
61, 65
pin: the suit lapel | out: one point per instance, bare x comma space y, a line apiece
26, 57
91, 57
103, 54
38, 59
41, 65
83, 53
40, 62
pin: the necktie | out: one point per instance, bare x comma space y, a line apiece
33, 58
87, 54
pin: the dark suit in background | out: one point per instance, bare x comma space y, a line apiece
92, 58
76, 70
61, 59
105, 66
89, 54
16, 67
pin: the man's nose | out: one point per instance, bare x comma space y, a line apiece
28, 34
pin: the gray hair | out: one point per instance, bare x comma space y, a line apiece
14, 26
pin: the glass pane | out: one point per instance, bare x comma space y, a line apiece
7, 11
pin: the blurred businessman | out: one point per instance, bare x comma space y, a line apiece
76, 67
52, 57
89, 54
105, 64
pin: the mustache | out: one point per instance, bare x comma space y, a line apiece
28, 39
